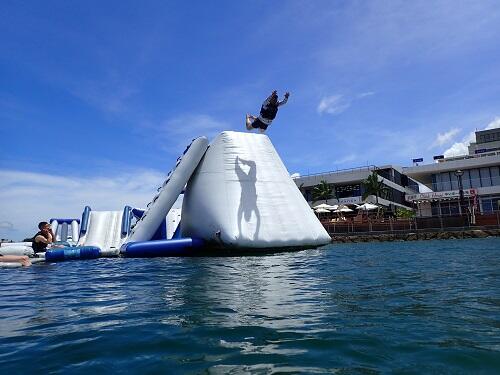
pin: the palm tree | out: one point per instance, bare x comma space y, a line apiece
323, 191
373, 186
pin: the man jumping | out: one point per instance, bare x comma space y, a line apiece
268, 112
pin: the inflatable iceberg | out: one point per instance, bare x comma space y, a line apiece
242, 196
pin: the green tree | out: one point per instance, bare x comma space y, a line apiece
404, 213
372, 186
323, 191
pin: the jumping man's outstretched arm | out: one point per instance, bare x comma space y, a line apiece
285, 99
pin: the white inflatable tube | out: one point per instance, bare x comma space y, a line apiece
10, 265
17, 250
64, 232
157, 210
18, 265
5, 244
74, 231
54, 226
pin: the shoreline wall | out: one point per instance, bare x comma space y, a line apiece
416, 236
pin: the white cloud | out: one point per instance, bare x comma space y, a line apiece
27, 198
441, 30
443, 138
494, 124
345, 159
365, 94
457, 149
6, 226
177, 131
334, 104
109, 97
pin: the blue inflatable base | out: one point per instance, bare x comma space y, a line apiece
162, 248
69, 253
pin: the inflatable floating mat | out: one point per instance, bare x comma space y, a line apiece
161, 248
69, 253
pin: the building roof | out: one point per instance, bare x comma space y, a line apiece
423, 172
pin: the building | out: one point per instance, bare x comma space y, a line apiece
486, 141
347, 185
465, 184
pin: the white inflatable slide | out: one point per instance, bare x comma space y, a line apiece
242, 196
161, 204
104, 231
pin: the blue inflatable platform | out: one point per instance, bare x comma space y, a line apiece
69, 253
162, 248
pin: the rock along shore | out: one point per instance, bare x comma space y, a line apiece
414, 236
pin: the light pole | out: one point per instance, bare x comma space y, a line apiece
459, 173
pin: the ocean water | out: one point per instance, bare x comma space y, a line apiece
404, 307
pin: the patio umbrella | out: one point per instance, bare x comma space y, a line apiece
324, 206
343, 209
367, 207
321, 211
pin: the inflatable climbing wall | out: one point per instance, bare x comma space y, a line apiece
242, 196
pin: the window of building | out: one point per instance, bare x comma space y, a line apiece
434, 182
397, 178
490, 204
466, 180
486, 206
454, 181
445, 181
495, 176
445, 209
475, 180
439, 184
454, 210
348, 191
485, 176
385, 173
435, 208
413, 185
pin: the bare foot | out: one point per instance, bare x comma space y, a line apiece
25, 261
249, 122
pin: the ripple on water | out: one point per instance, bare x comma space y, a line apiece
428, 306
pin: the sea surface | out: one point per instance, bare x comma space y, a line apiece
368, 308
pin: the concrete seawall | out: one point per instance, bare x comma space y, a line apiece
414, 236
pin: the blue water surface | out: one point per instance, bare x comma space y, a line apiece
405, 307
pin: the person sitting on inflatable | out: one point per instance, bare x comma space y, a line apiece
43, 238
268, 112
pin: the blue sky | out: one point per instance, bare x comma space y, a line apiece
97, 99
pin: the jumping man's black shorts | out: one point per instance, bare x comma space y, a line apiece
257, 124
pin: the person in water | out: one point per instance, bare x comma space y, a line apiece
43, 238
268, 112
